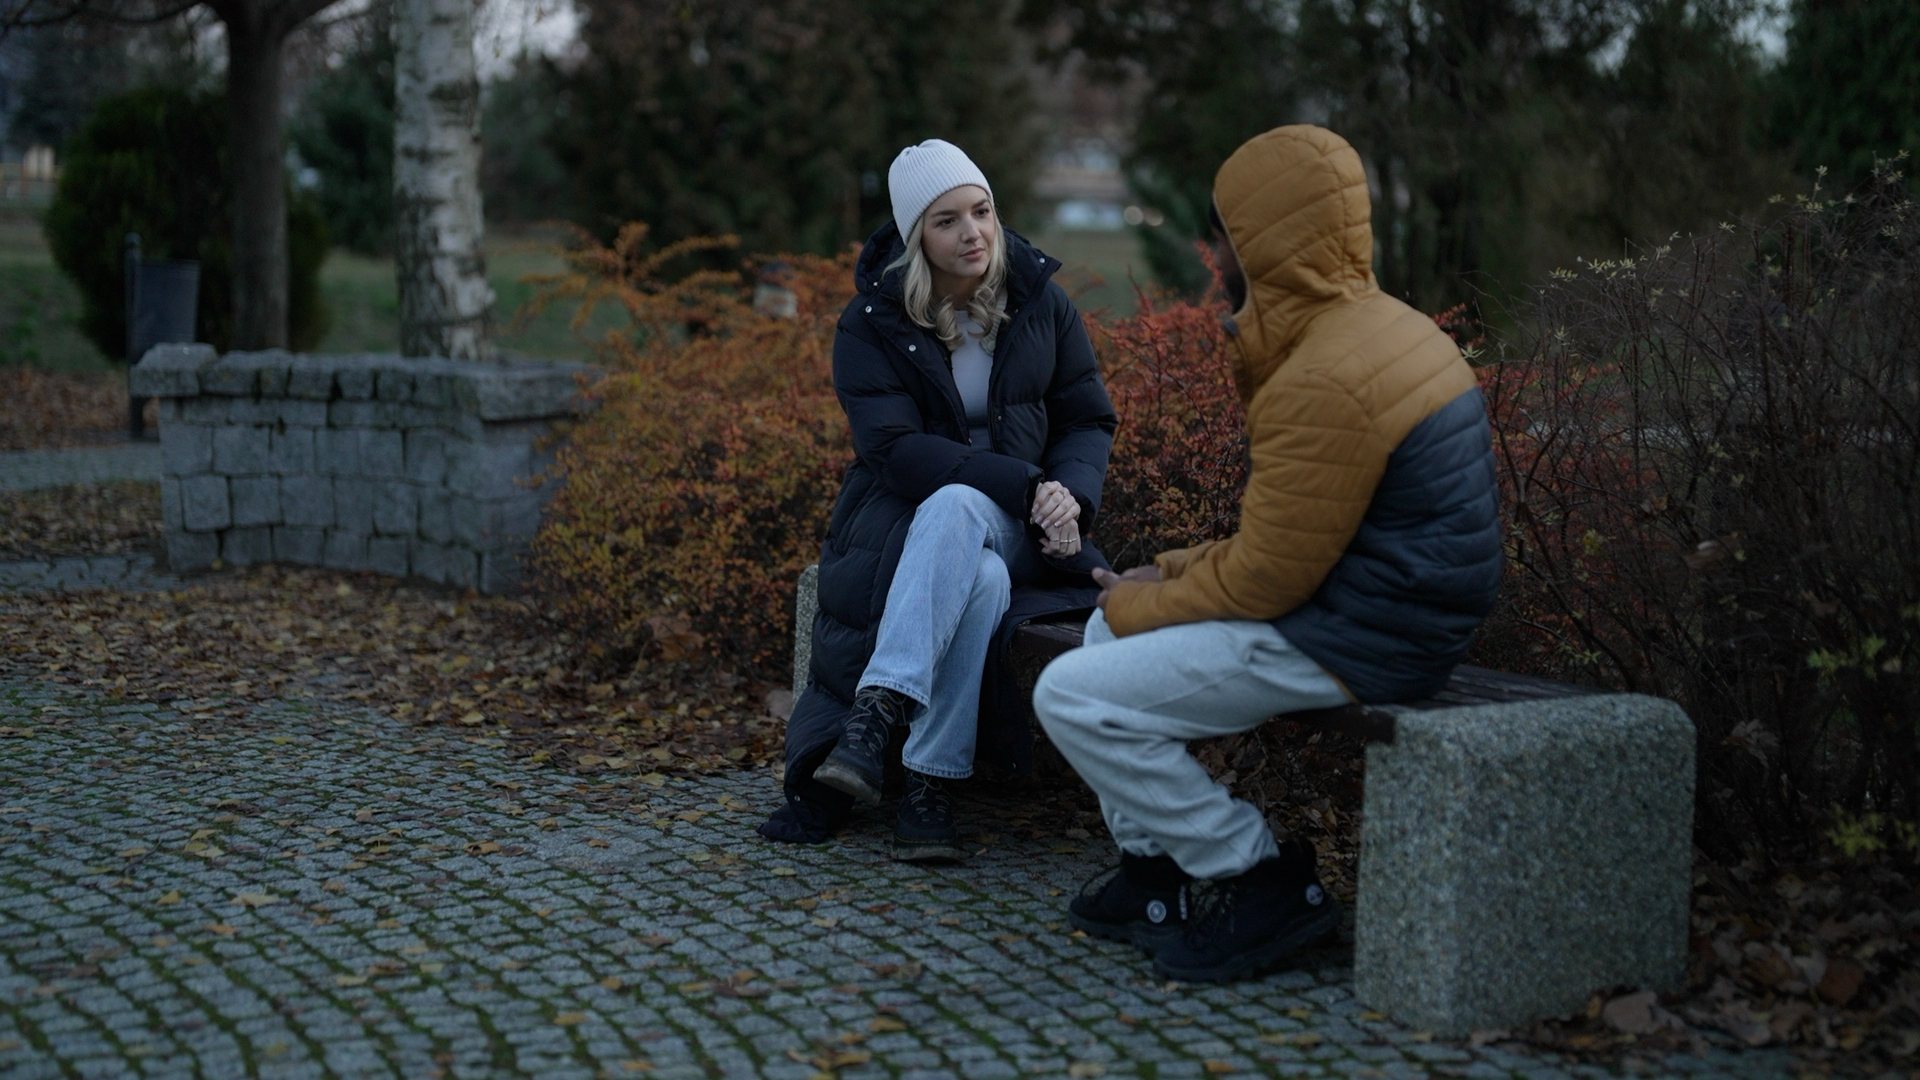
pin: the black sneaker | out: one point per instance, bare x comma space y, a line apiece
857, 764
923, 831
1249, 921
1142, 900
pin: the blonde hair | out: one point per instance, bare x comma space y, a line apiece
987, 305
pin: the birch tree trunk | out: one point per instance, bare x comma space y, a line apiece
444, 297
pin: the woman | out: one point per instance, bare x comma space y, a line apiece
982, 432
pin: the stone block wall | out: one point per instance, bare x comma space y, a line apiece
402, 465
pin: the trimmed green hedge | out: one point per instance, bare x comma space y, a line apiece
154, 161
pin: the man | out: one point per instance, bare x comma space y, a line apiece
1368, 553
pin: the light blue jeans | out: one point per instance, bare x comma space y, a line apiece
963, 554
1121, 710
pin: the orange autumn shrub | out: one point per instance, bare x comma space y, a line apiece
701, 488
1180, 453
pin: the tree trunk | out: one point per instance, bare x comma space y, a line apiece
259, 209
444, 297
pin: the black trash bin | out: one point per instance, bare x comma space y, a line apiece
163, 296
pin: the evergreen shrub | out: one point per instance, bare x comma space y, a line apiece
154, 162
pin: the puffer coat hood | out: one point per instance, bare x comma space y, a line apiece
1369, 531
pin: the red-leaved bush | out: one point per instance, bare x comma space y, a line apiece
1712, 476
701, 488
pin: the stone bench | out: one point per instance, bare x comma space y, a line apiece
1524, 843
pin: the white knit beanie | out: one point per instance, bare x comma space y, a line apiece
923, 173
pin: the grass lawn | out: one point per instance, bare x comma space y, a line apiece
39, 307
1098, 268
364, 302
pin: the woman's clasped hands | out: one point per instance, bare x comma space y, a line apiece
1057, 513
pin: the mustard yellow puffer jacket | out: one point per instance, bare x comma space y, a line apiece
1369, 530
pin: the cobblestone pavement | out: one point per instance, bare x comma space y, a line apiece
24, 470
125, 572
321, 891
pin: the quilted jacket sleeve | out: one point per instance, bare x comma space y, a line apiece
890, 433
1316, 458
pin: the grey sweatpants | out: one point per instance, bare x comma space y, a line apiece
1122, 709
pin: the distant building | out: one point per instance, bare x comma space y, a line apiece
1082, 185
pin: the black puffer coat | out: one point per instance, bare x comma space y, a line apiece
1050, 420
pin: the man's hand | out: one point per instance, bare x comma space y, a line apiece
1107, 579
1054, 506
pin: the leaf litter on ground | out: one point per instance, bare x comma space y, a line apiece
1818, 956
462, 668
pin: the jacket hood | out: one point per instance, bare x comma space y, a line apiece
1298, 214
1028, 268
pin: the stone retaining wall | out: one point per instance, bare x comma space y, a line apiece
406, 466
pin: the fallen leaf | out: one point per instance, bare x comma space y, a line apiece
255, 899
886, 1023
1631, 1013
637, 1065
171, 896
657, 940
131, 853
1218, 1067
1842, 980
1082, 1069
611, 982
350, 980
223, 929
569, 1019
484, 847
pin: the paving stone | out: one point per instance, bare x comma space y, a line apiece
392, 952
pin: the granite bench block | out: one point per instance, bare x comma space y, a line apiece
346, 549
388, 555
310, 378
1515, 858
239, 450
256, 500
247, 546
383, 454
206, 410
290, 450
172, 516
353, 376
426, 455
393, 384
436, 515
186, 449
336, 451
300, 545
188, 551
487, 524
445, 563
396, 508
204, 506
353, 504
500, 572
170, 371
